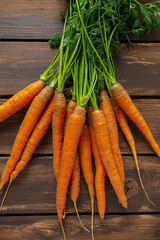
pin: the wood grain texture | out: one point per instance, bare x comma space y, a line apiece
34, 190
149, 108
38, 19
31, 19
128, 227
22, 64
33, 193
137, 66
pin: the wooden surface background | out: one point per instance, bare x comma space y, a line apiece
29, 211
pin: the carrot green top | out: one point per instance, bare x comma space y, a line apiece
104, 21
91, 34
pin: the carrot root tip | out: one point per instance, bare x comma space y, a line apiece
64, 215
64, 235
79, 218
92, 220
5, 195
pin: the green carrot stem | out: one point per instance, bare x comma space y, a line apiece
49, 70
89, 40
85, 66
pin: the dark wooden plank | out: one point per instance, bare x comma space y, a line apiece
128, 227
137, 67
22, 64
34, 190
35, 19
39, 20
150, 109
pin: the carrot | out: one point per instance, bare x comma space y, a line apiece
122, 98
58, 131
75, 177
36, 136
106, 107
20, 99
100, 171
104, 147
86, 165
73, 131
127, 133
70, 108
38, 133
25, 130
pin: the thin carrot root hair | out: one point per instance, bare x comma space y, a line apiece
64, 235
5, 195
127, 133
64, 214
140, 179
75, 205
75, 189
92, 232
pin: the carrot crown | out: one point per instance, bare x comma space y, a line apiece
83, 81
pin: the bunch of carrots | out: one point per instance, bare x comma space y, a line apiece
88, 123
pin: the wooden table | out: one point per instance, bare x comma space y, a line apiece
29, 211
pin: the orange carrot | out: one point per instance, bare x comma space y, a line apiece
73, 132
104, 147
25, 130
70, 108
127, 133
58, 131
38, 133
100, 171
36, 136
122, 98
75, 178
86, 165
106, 107
20, 100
